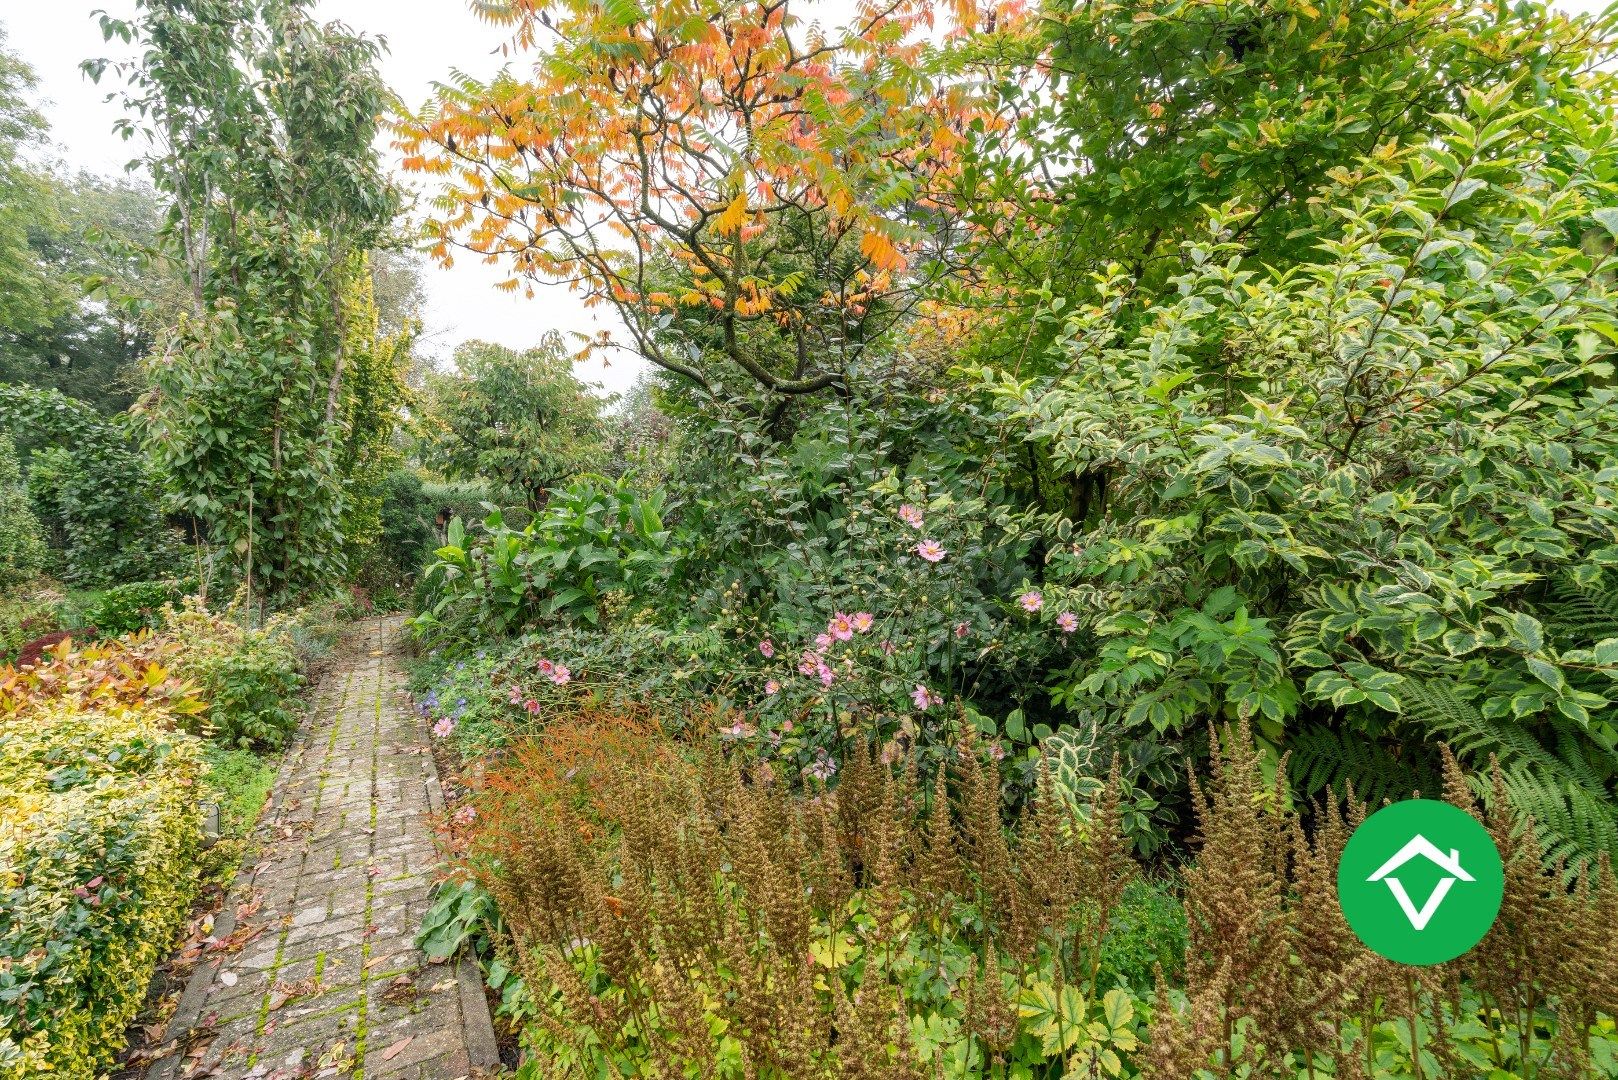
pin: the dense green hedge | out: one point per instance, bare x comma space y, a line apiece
98, 834
137, 605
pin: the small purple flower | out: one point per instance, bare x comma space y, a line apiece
465, 815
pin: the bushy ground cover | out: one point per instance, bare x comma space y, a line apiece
100, 831
111, 750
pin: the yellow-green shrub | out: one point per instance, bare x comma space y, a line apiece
99, 831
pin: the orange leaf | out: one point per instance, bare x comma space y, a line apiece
880, 250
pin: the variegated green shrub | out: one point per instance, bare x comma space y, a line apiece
99, 829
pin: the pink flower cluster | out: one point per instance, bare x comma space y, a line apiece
812, 662
556, 673
910, 516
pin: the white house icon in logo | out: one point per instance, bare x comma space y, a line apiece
1450, 864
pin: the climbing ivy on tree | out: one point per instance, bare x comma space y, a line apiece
262, 124
373, 394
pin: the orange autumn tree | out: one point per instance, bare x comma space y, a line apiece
755, 196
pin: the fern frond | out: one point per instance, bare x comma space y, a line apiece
1321, 758
1582, 614
1556, 785
1574, 826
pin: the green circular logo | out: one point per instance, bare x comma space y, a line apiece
1420, 882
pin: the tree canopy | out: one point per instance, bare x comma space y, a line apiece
520, 418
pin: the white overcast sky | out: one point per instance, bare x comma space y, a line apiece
425, 40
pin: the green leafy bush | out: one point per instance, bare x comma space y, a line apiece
139, 605
90, 488
594, 537
249, 677
98, 834
1367, 502
408, 535
22, 541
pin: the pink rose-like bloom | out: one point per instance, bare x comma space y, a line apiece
822, 642
841, 627
807, 663
1031, 601
827, 676
910, 516
561, 676
546, 667
931, 551
443, 728
1068, 622
531, 705
962, 629
766, 647
863, 621
772, 687
465, 815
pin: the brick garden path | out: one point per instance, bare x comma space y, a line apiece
327, 982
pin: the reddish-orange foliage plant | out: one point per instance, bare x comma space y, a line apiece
755, 196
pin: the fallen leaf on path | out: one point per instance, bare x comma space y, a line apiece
393, 1051
285, 992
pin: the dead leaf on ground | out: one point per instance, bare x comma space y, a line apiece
393, 1051
285, 992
